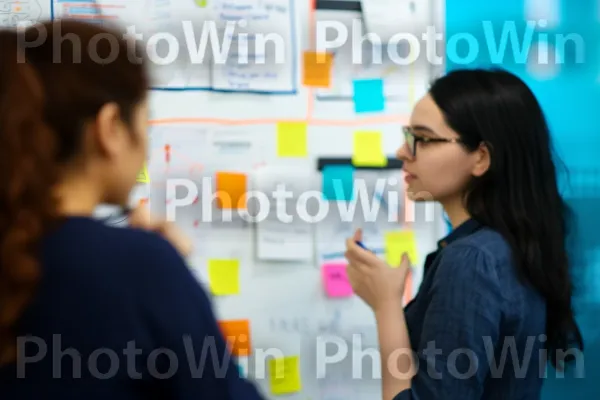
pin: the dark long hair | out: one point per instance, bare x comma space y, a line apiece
54, 78
519, 195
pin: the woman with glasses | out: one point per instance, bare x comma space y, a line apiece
495, 303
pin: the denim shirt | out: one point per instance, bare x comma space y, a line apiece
476, 330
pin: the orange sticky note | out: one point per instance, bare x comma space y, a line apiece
231, 190
317, 69
237, 333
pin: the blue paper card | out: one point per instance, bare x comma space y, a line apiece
338, 182
368, 95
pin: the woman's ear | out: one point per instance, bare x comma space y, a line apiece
482, 160
108, 129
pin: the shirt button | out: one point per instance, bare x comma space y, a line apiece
443, 243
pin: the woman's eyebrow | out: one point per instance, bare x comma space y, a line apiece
424, 129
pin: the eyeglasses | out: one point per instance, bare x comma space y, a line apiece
412, 139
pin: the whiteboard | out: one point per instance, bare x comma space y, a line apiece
210, 132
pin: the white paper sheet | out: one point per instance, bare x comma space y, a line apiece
387, 18
258, 52
187, 63
283, 231
22, 12
122, 12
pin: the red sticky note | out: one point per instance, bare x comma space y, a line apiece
335, 280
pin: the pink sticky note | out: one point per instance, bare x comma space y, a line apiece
336, 281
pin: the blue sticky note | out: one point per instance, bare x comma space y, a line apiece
338, 182
368, 95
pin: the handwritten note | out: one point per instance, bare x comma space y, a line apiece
338, 182
335, 279
143, 176
249, 67
397, 243
291, 139
368, 95
317, 69
237, 333
284, 241
383, 17
368, 150
231, 190
224, 277
284, 375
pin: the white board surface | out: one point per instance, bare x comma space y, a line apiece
210, 132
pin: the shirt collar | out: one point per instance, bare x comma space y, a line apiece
464, 229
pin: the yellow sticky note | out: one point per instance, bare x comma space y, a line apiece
284, 375
224, 276
317, 69
291, 139
143, 176
368, 150
397, 243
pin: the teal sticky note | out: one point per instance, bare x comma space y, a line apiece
368, 95
338, 182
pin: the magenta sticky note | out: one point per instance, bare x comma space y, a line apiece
336, 280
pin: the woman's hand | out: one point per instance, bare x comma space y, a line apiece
372, 279
141, 218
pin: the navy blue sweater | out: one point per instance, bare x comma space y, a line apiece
118, 315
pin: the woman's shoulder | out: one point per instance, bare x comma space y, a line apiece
485, 244
483, 255
123, 249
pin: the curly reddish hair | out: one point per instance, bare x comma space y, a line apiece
54, 78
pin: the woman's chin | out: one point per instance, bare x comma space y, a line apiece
418, 195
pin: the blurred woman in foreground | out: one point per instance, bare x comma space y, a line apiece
89, 311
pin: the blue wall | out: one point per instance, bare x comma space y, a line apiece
571, 100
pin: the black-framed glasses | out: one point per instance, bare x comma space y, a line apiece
412, 139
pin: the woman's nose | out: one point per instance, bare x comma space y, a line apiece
404, 153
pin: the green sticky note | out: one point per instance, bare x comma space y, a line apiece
201, 3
